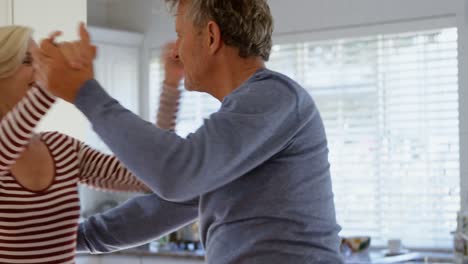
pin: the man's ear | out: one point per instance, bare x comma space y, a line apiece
214, 37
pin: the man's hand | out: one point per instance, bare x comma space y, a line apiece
64, 68
174, 71
77, 56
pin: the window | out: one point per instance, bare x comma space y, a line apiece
390, 108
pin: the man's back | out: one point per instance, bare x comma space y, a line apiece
258, 170
281, 211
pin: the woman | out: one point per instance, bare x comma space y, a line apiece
39, 173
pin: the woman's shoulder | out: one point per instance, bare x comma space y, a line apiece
57, 138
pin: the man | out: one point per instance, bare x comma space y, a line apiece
257, 170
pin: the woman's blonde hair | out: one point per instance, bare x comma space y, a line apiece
14, 42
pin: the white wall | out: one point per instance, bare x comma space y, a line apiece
121, 14
5, 12
44, 17
97, 13
305, 15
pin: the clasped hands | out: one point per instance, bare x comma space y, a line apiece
63, 68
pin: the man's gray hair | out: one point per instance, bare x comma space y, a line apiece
245, 24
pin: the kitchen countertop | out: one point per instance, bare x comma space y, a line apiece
161, 253
164, 253
370, 257
415, 257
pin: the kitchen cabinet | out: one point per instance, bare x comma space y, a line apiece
116, 68
117, 64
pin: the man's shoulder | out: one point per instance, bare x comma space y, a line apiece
268, 80
272, 90
265, 89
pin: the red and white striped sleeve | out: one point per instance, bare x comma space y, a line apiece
168, 108
105, 172
17, 126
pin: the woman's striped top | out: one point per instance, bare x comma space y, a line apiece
40, 226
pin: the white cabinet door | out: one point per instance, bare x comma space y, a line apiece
117, 64
116, 69
45, 16
5, 12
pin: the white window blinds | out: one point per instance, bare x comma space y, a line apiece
390, 108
